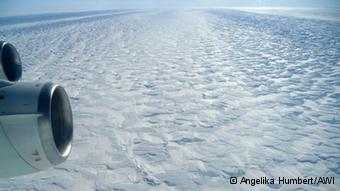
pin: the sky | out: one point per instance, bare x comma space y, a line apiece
22, 7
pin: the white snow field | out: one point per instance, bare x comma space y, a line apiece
186, 99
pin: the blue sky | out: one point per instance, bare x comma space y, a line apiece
19, 7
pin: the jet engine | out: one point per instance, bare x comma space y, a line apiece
36, 126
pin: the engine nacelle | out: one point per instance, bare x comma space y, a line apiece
36, 126
10, 63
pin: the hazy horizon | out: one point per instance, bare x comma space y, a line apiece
15, 7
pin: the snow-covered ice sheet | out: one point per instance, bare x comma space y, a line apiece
330, 14
183, 100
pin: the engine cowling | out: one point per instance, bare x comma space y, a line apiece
10, 63
36, 125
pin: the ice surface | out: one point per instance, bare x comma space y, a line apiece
183, 100
331, 14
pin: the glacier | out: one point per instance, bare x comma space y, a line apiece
186, 99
